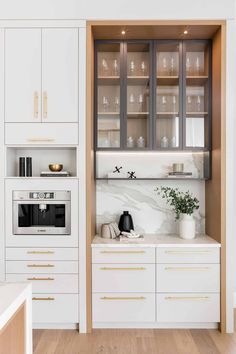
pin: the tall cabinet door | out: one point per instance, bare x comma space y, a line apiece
60, 75
22, 75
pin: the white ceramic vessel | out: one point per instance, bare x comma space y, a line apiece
187, 227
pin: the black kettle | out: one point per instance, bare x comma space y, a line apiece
126, 222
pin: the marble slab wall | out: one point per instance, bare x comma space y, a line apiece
150, 212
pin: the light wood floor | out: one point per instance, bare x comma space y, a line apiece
114, 341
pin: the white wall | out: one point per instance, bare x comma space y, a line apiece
116, 9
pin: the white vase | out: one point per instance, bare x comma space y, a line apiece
187, 227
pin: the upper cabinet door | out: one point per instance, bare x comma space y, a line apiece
60, 75
22, 75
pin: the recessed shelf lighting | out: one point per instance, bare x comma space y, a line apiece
185, 32
123, 32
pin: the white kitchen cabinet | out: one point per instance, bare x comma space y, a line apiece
60, 75
41, 75
23, 75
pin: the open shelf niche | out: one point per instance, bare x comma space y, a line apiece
41, 158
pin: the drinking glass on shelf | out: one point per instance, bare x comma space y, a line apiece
173, 142
105, 103
197, 66
140, 102
130, 142
115, 68
132, 68
164, 67
141, 142
164, 142
199, 103
117, 104
143, 68
105, 67
189, 104
132, 102
172, 66
188, 66
163, 104
174, 106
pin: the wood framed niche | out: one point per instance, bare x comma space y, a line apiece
215, 203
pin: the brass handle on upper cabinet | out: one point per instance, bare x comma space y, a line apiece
123, 298
45, 105
36, 104
195, 298
40, 265
40, 278
43, 298
40, 252
120, 252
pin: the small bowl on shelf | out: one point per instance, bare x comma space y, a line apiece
55, 167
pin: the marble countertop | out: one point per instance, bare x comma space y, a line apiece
157, 241
12, 296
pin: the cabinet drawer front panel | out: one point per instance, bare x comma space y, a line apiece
123, 277
55, 308
186, 307
123, 307
50, 133
123, 255
43, 267
188, 277
48, 283
41, 254
188, 255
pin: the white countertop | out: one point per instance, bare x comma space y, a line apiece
12, 296
157, 241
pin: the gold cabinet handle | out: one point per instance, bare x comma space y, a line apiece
188, 252
122, 252
43, 298
194, 298
122, 298
40, 252
40, 265
187, 268
40, 278
36, 104
45, 105
40, 140
122, 268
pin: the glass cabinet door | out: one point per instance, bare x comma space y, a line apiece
107, 108
168, 108
196, 95
138, 104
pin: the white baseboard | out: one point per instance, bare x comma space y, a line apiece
208, 325
55, 326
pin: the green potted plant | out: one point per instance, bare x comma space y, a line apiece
184, 205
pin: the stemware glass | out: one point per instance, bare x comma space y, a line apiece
117, 104
164, 66
163, 104
197, 66
174, 102
188, 66
140, 102
105, 103
132, 102
115, 68
198, 103
172, 66
143, 68
105, 67
132, 68
189, 103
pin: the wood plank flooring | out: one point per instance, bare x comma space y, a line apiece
140, 341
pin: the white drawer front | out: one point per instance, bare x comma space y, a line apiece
123, 278
49, 283
186, 307
123, 307
55, 308
123, 255
32, 133
188, 255
188, 277
41, 254
38, 267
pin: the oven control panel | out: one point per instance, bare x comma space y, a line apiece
41, 195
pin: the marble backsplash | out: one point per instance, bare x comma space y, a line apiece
150, 212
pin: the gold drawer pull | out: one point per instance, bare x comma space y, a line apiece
188, 268
122, 268
122, 252
43, 298
40, 265
45, 105
40, 278
40, 140
194, 298
123, 298
40, 252
36, 104
188, 252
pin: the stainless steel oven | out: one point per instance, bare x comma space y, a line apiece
41, 212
